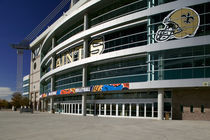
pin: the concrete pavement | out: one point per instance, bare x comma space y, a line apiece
45, 126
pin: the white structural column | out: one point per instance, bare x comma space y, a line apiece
45, 105
160, 104
51, 98
84, 70
84, 84
52, 77
42, 105
53, 42
53, 62
85, 21
51, 105
148, 67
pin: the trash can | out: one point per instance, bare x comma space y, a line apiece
167, 116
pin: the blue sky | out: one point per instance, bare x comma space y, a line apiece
17, 19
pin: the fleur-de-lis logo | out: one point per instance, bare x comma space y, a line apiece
188, 18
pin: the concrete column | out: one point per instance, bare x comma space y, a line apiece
85, 43
137, 110
53, 62
72, 3
42, 105
45, 105
130, 110
85, 46
99, 109
84, 70
145, 110
105, 109
85, 21
51, 104
111, 109
34, 101
84, 76
148, 67
53, 42
84, 99
84, 84
117, 110
123, 110
160, 104
52, 84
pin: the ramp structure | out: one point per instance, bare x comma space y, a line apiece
24, 45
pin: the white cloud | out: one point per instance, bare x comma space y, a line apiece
5, 93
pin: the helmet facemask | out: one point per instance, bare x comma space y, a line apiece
171, 28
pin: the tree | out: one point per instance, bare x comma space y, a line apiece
16, 99
0, 104
24, 101
4, 104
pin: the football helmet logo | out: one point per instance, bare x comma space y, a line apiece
179, 24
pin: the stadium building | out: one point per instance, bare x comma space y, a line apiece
127, 58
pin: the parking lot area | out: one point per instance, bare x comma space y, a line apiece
45, 126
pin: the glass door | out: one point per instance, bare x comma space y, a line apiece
107, 109
133, 110
127, 108
148, 110
70, 108
73, 108
97, 109
102, 109
80, 108
113, 109
67, 108
120, 112
141, 110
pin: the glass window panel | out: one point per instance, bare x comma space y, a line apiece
186, 62
148, 110
127, 107
113, 109
102, 109
202, 109
169, 64
207, 61
107, 109
187, 73
155, 109
141, 110
172, 74
97, 109
198, 73
198, 50
191, 109
133, 110
207, 72
119, 109
198, 62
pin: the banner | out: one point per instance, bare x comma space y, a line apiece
109, 87
66, 91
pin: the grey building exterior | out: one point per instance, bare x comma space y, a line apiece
128, 58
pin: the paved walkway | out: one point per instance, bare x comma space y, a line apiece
44, 126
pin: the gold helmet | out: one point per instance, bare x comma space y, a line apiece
179, 23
